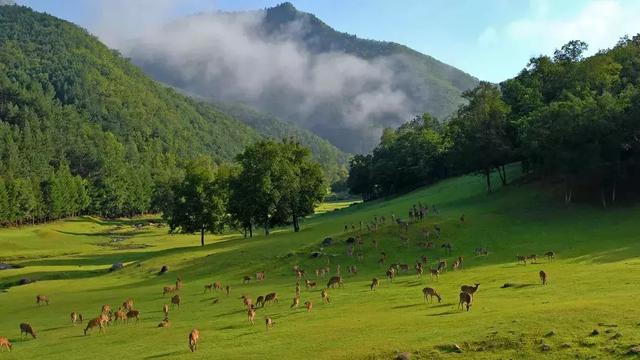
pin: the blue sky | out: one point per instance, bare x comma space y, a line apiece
490, 39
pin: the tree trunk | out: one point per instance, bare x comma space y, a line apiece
266, 228
487, 174
202, 237
296, 223
504, 172
251, 230
613, 193
503, 176
245, 232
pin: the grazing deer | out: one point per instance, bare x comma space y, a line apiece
175, 300
543, 277
227, 289
391, 273
164, 323
128, 305
325, 296
335, 280
460, 260
298, 289
251, 315
246, 279
97, 322
5, 343
419, 270
217, 286
447, 248
465, 299
309, 284
481, 251
403, 267
42, 299
165, 310
434, 272
119, 315
271, 297
76, 318
469, 289
27, 329
208, 287
268, 323
455, 265
260, 276
260, 301
194, 336
168, 290
533, 258
431, 292
522, 259
424, 259
308, 305
133, 314
296, 302
550, 255
442, 266
374, 283
106, 309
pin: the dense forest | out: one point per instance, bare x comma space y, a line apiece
569, 120
82, 130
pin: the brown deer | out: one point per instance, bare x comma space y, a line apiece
165, 310
194, 336
309, 284
27, 329
260, 301
247, 301
419, 269
391, 273
128, 304
455, 265
42, 299
374, 283
268, 323
164, 323
533, 258
119, 315
76, 318
550, 255
296, 302
208, 287
403, 267
335, 280
246, 279
271, 297
522, 259
97, 322
106, 309
168, 290
175, 300
543, 277
178, 284
251, 315
465, 299
133, 314
260, 276
442, 266
325, 296
431, 292
469, 289
434, 272
217, 286
5, 343
308, 305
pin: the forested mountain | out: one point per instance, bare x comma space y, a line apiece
80, 126
293, 65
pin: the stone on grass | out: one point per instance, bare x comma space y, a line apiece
116, 266
404, 356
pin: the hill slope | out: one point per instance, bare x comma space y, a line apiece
590, 280
291, 64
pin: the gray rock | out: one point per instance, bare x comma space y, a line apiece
116, 266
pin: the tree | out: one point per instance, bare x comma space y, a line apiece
198, 203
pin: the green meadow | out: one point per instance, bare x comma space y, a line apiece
592, 284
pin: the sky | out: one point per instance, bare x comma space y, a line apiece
489, 39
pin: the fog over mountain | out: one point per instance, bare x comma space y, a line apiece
292, 65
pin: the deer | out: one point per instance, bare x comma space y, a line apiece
543, 277
431, 292
246, 279
325, 296
26, 329
268, 322
208, 287
296, 302
455, 265
442, 266
522, 259
131, 314
308, 305
168, 290
447, 248
309, 284
550, 255
271, 297
260, 276
251, 315
335, 280
97, 322
119, 315
533, 258
465, 299
469, 289
178, 284
164, 323
217, 286
297, 289
128, 304
227, 289
5, 343
42, 299
76, 318
260, 301
175, 300
403, 267
106, 309
165, 310
434, 272
374, 283
391, 273
194, 336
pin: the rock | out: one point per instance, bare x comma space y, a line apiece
163, 270
404, 356
25, 281
545, 347
550, 333
327, 241
634, 350
116, 266
6, 266
595, 332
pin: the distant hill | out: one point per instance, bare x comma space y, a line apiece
293, 65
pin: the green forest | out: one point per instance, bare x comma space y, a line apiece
570, 120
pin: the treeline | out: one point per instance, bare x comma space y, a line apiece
271, 183
566, 118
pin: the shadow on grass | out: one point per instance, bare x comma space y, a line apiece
406, 306
450, 312
167, 354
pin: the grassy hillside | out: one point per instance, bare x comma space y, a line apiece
591, 284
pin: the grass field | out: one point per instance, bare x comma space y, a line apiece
593, 284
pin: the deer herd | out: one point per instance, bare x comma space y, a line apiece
127, 311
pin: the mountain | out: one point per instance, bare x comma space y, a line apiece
291, 64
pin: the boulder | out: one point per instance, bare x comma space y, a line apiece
116, 266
